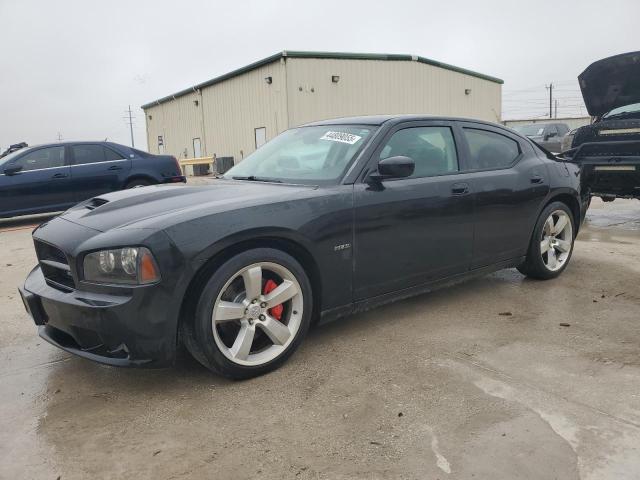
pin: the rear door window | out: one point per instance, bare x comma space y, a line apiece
491, 150
110, 155
84, 154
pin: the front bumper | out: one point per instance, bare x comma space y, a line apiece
129, 329
608, 168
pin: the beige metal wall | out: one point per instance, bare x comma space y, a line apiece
301, 91
369, 87
179, 122
229, 111
235, 107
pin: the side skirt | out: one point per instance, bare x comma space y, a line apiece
328, 316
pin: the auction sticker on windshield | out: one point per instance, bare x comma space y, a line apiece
341, 137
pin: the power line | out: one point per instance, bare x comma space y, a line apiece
536, 87
550, 88
130, 122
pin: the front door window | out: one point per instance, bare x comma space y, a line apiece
50, 157
432, 149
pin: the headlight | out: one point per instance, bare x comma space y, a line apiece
127, 266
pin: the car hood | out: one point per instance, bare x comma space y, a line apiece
155, 206
610, 83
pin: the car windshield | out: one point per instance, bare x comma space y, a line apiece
308, 155
634, 107
7, 158
530, 130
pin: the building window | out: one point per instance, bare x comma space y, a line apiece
260, 136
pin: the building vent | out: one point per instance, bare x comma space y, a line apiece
223, 164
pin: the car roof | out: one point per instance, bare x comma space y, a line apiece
81, 142
377, 120
361, 120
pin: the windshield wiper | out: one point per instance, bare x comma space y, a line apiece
253, 178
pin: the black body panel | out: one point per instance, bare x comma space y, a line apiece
610, 83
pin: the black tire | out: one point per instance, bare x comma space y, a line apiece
138, 182
198, 336
534, 265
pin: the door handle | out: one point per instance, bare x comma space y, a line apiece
537, 179
460, 189
60, 175
114, 167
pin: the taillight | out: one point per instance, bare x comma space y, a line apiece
179, 169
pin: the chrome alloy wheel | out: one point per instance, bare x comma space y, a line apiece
245, 322
557, 240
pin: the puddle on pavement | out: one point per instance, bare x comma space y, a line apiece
623, 215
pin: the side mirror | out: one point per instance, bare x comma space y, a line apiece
12, 169
394, 167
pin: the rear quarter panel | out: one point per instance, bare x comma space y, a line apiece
155, 167
564, 179
150, 167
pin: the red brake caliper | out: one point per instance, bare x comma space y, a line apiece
275, 312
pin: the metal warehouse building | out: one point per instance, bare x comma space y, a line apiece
232, 115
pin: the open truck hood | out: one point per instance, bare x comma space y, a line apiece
610, 83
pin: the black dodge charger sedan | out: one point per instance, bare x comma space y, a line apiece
324, 220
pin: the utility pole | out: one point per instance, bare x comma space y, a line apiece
59, 137
130, 122
550, 88
556, 109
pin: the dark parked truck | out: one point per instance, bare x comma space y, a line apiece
50, 178
324, 220
608, 150
547, 135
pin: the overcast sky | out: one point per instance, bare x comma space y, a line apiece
73, 67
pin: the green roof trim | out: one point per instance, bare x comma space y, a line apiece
390, 57
321, 55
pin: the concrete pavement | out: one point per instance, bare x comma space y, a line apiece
476, 381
